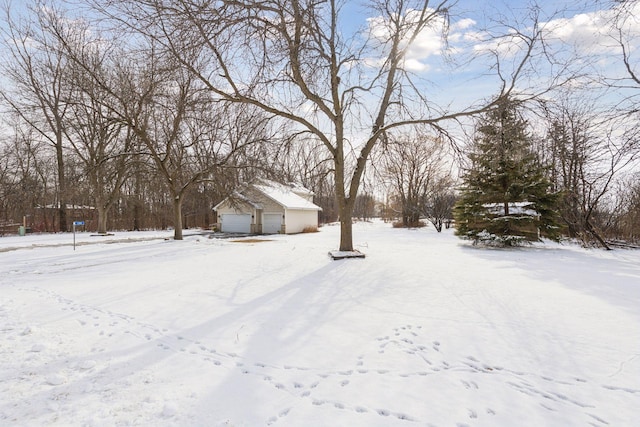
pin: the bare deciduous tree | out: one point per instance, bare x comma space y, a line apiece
415, 168
296, 60
38, 72
184, 130
439, 201
585, 159
103, 145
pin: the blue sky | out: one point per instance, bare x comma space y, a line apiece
577, 27
576, 31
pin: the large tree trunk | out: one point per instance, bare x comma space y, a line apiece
62, 216
137, 208
177, 218
62, 187
346, 232
102, 218
345, 210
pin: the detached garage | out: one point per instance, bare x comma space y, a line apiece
268, 207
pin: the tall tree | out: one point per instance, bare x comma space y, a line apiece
412, 165
165, 107
38, 71
25, 171
585, 158
188, 135
505, 197
299, 60
629, 215
103, 145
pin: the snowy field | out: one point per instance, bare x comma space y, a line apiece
136, 329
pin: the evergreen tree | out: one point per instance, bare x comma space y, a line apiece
505, 198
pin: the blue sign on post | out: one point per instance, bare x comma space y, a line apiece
74, 232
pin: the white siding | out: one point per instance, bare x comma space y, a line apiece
298, 220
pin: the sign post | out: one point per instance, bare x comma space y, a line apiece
74, 232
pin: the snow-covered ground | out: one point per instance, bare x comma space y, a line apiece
136, 329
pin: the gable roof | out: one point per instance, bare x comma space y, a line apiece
284, 195
287, 196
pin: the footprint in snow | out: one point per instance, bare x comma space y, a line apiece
38, 348
55, 379
404, 417
284, 412
169, 410
469, 385
87, 364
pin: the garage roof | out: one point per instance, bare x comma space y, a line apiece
284, 195
287, 196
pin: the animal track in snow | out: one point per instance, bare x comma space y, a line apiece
283, 413
469, 385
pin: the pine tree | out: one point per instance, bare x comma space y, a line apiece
505, 198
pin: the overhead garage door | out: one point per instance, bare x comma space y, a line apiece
236, 223
271, 223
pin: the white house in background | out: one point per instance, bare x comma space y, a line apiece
268, 207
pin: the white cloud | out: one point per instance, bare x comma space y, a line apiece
597, 32
412, 64
590, 33
463, 24
428, 43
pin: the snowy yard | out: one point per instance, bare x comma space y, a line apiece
134, 329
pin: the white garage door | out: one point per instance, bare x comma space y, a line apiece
236, 223
271, 223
